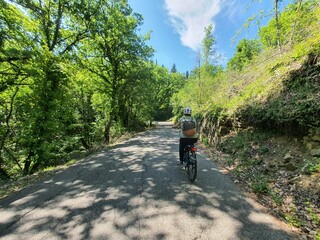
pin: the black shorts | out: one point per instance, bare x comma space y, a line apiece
184, 142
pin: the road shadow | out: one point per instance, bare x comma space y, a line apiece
135, 190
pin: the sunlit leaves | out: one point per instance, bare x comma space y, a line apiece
246, 50
252, 87
293, 20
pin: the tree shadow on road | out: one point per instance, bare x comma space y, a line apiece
135, 190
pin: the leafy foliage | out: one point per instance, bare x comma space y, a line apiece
294, 24
246, 51
268, 88
73, 75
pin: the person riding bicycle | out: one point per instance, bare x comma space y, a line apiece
188, 134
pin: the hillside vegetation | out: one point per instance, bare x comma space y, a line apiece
261, 116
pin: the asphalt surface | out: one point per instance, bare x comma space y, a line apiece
136, 190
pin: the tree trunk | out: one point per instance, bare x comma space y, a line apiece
27, 163
26, 168
3, 173
277, 24
295, 23
107, 132
85, 143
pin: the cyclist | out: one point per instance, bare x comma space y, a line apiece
188, 134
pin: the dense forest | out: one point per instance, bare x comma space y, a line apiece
78, 74
74, 74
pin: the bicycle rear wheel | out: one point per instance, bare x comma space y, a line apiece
192, 168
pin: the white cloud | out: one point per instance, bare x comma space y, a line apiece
190, 17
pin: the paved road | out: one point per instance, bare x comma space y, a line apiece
135, 190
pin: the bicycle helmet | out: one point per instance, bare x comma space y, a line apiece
187, 111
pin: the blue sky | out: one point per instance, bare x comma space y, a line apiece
177, 26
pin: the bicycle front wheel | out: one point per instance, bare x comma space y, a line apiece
192, 170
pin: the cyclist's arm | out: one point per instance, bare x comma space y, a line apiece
177, 125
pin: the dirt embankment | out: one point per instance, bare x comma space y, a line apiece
282, 172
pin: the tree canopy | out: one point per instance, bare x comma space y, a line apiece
73, 75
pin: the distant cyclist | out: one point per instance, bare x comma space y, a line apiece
188, 134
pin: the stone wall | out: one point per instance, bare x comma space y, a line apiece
213, 128
312, 142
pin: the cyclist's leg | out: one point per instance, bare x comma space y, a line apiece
183, 143
181, 149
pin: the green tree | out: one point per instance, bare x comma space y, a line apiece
84, 123
292, 26
245, 51
210, 59
15, 61
187, 74
138, 106
174, 68
276, 13
112, 49
208, 43
57, 27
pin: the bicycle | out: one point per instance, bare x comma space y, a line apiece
190, 158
